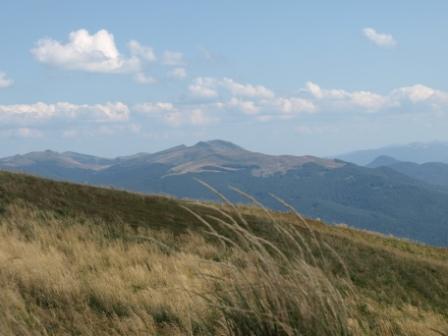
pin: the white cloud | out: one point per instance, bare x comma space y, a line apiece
179, 115
43, 111
400, 99
152, 108
142, 78
380, 39
111, 111
317, 92
4, 81
416, 93
83, 51
173, 58
178, 73
295, 105
246, 90
33, 111
342, 99
246, 106
144, 52
314, 89
195, 117
98, 53
209, 87
250, 99
204, 87
368, 100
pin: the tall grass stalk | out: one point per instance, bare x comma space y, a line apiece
270, 289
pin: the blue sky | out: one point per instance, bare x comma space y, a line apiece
316, 77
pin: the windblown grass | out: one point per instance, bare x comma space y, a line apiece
69, 268
271, 289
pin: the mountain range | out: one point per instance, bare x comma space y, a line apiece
414, 152
435, 173
380, 199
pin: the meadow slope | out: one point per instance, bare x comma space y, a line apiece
80, 260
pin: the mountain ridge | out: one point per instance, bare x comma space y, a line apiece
418, 152
434, 173
379, 199
184, 159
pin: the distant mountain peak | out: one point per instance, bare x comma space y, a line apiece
216, 143
417, 152
204, 156
382, 161
50, 157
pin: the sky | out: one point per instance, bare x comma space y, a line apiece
113, 78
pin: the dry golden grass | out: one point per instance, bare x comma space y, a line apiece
73, 277
67, 277
270, 275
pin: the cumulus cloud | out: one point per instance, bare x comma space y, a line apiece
209, 87
98, 53
250, 99
337, 98
138, 50
152, 108
143, 78
109, 111
380, 39
32, 111
397, 99
179, 115
368, 100
194, 117
246, 90
319, 93
84, 51
246, 106
43, 111
417, 93
294, 105
4, 81
275, 108
204, 87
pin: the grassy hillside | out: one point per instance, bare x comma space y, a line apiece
79, 260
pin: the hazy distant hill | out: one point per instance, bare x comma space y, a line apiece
416, 152
435, 173
382, 161
376, 199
